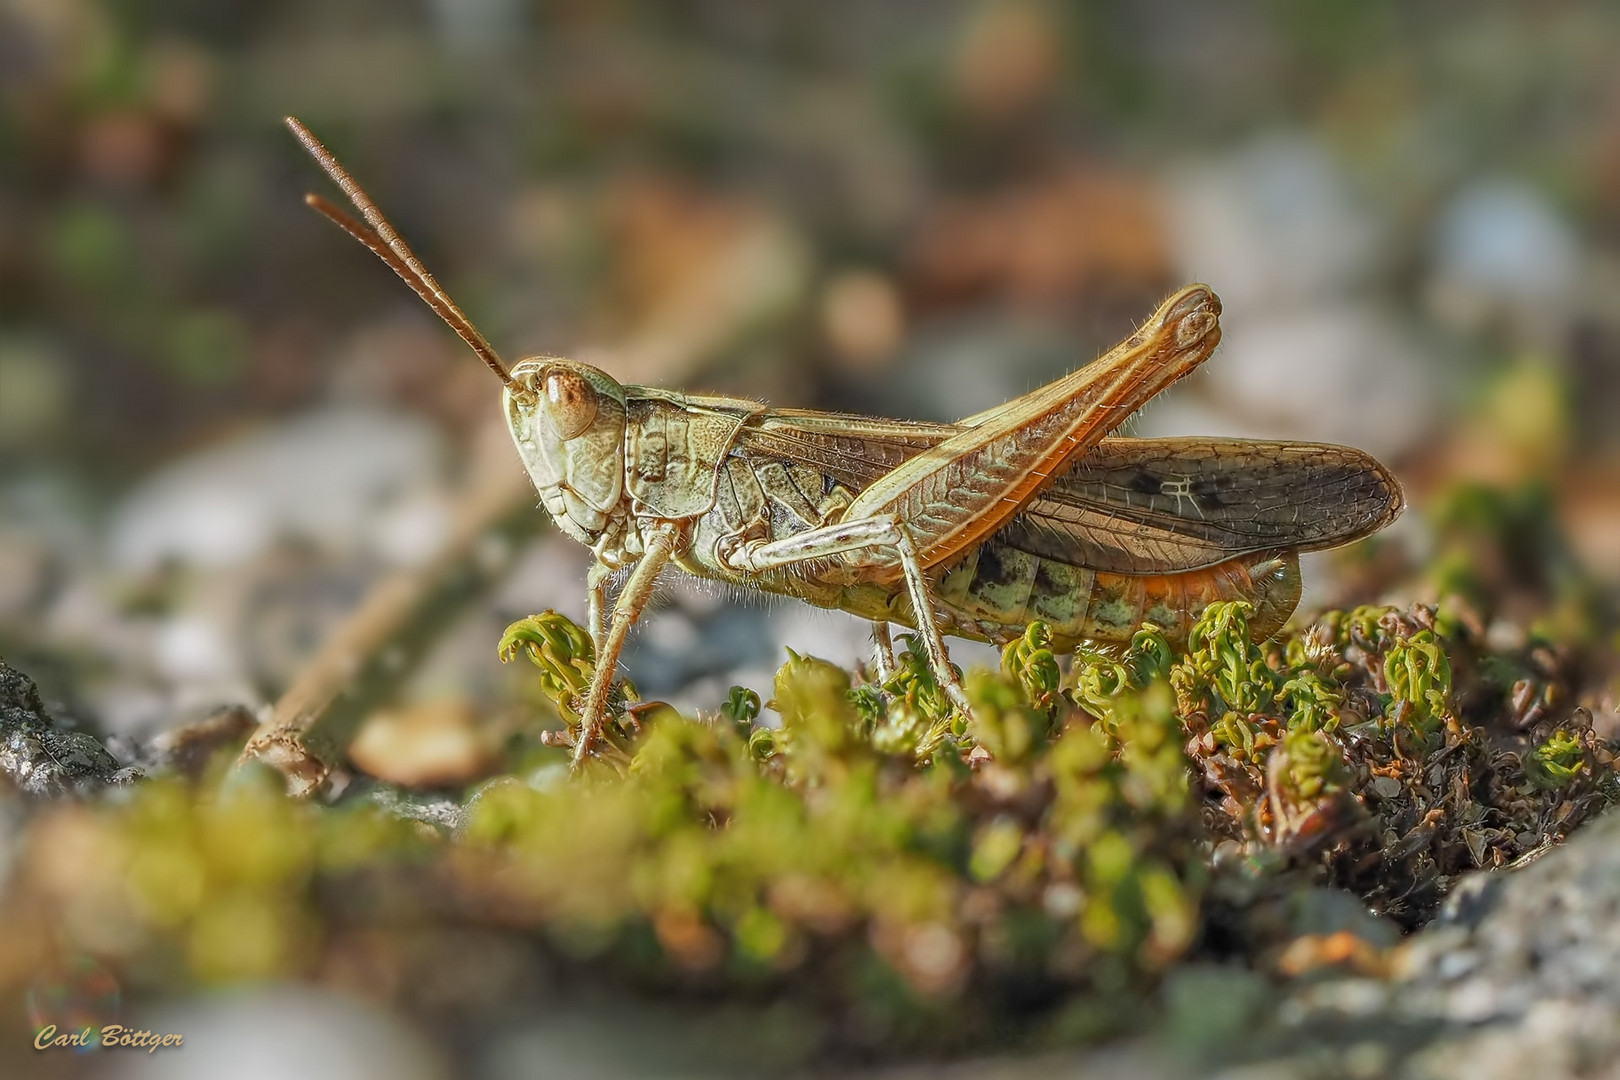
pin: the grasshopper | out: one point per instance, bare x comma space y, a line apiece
973, 529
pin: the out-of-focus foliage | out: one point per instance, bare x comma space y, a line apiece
895, 894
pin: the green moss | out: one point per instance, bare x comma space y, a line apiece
563, 652
1315, 748
1558, 761
873, 857
1419, 678
885, 870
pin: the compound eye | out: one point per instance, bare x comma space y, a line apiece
570, 402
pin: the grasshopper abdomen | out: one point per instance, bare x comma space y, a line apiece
998, 590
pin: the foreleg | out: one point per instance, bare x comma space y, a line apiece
632, 600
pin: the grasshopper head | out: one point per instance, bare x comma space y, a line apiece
567, 420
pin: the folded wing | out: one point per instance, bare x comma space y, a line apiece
1134, 506
1153, 506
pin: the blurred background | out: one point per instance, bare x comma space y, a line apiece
222, 422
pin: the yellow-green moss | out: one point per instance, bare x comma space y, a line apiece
884, 869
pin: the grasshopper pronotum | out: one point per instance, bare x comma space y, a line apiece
1025, 511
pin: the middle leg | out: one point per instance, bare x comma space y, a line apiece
883, 650
875, 533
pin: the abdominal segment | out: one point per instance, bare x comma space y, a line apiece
996, 591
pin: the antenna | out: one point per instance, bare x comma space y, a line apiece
384, 242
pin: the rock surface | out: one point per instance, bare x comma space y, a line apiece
38, 757
1519, 977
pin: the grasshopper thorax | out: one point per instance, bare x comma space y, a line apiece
567, 420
